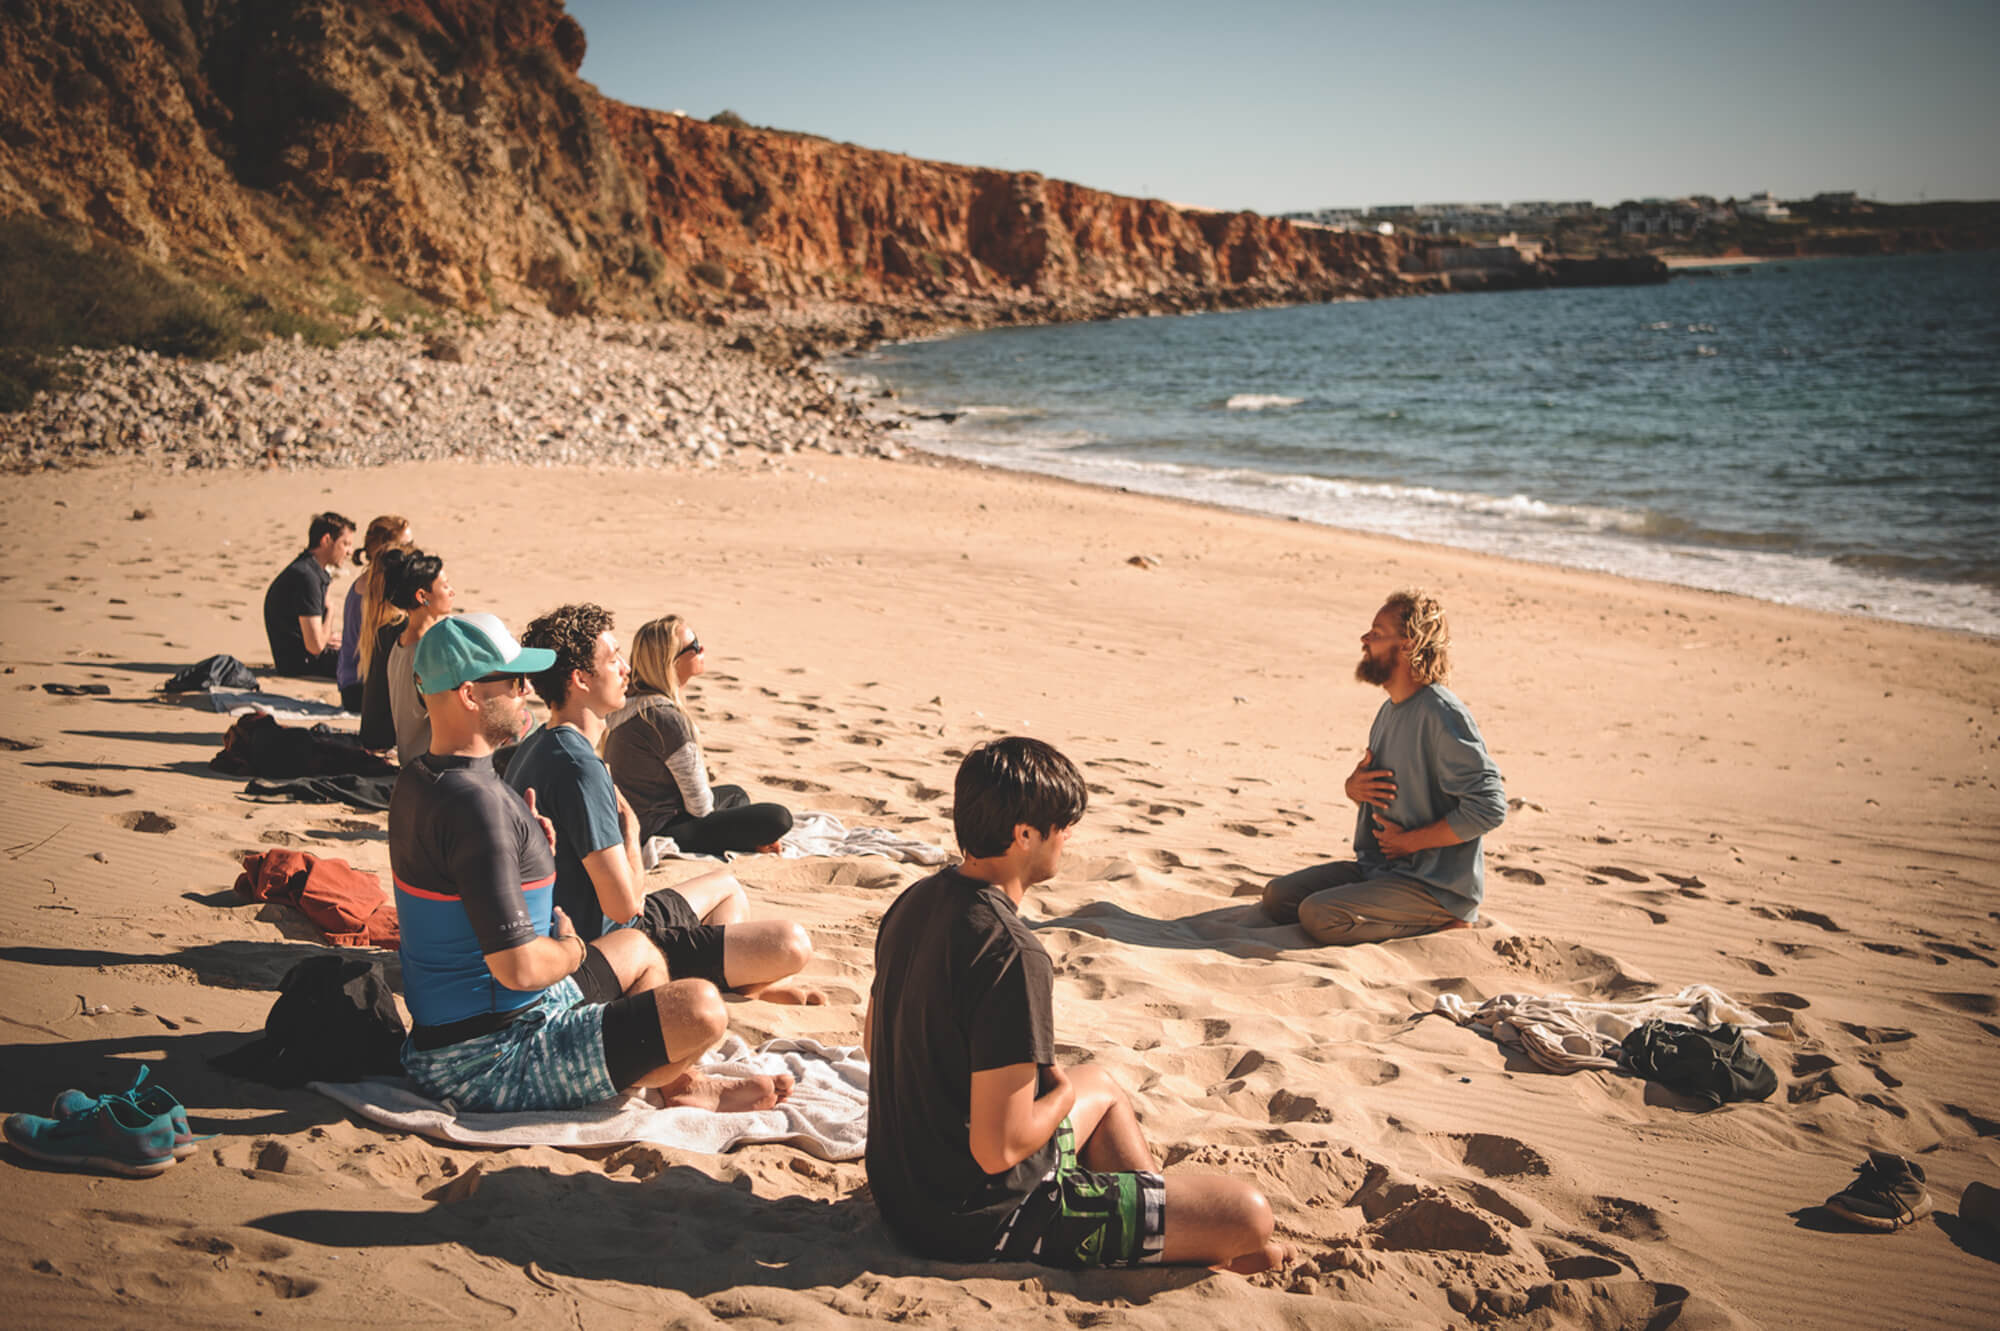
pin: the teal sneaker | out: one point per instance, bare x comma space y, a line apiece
152, 1101
113, 1134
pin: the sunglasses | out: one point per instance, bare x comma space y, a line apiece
693, 647
514, 683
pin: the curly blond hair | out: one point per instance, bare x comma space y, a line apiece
1423, 624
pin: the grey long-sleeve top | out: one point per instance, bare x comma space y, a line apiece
1442, 770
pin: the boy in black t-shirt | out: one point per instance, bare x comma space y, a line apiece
979, 1147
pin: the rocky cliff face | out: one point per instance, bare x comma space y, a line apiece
450, 144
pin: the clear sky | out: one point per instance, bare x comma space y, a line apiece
1276, 106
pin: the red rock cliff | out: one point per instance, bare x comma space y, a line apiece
450, 143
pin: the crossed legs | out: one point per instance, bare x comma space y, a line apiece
1336, 905
1212, 1220
756, 954
692, 1019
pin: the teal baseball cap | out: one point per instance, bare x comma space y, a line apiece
460, 649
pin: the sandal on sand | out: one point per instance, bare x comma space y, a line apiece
1887, 1193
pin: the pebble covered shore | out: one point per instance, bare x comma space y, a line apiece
516, 390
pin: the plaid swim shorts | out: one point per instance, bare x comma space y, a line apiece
550, 1057
1077, 1218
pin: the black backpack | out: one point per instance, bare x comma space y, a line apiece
335, 1020
1714, 1067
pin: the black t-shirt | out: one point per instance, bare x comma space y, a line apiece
961, 986
298, 590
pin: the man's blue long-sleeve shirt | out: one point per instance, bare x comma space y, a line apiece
1442, 770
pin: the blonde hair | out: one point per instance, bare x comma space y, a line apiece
376, 611
654, 647
1423, 624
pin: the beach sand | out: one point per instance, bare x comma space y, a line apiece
1794, 807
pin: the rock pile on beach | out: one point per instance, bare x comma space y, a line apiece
519, 390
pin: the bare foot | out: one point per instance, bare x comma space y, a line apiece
728, 1095
1268, 1258
798, 995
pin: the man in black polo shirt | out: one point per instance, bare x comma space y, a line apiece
980, 1148
304, 635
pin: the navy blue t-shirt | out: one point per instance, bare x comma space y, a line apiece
573, 790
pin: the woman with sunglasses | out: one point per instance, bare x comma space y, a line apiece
654, 751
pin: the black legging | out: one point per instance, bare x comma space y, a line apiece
736, 825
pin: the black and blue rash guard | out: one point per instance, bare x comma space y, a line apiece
474, 875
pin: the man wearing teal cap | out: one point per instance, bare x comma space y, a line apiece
512, 1010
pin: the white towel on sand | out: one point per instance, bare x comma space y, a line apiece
826, 1114
821, 834
1563, 1034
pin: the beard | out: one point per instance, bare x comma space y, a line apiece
1370, 670
499, 721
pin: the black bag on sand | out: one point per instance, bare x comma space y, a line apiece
1712, 1066
214, 672
258, 745
335, 1020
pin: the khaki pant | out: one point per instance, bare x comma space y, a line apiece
1336, 905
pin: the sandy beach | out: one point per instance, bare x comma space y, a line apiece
1793, 807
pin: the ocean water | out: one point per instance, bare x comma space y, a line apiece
1822, 433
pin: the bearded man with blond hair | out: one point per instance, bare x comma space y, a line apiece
1427, 791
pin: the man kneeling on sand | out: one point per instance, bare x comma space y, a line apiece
1427, 792
698, 925
980, 1148
513, 1011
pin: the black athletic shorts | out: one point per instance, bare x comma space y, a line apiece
634, 1044
693, 950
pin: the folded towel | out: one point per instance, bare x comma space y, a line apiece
826, 1114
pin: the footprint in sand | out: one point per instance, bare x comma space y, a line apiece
799, 784
1625, 1218
1979, 1123
1622, 874
1889, 949
1243, 829
147, 821
1872, 1035
18, 745
1433, 1223
1812, 917
1521, 875
1962, 953
1979, 1004
87, 788
1496, 1156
